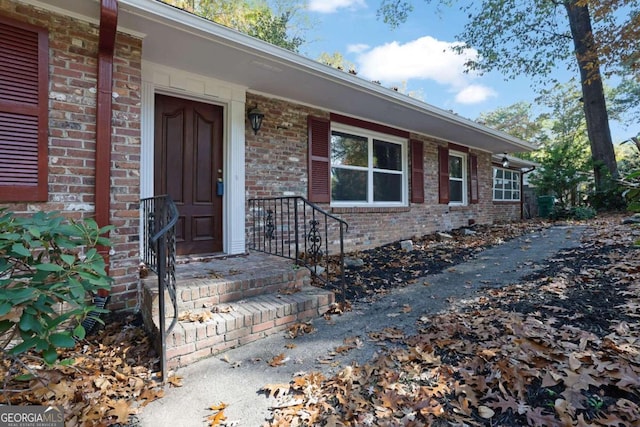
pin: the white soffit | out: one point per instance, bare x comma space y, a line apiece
181, 40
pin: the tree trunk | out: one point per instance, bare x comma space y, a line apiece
595, 108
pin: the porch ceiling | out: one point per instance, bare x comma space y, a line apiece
183, 41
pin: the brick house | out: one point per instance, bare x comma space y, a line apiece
94, 96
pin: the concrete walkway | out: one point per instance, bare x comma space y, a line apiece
234, 377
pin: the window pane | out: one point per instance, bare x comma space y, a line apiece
516, 195
348, 185
455, 191
387, 155
497, 194
498, 173
348, 149
455, 166
387, 187
507, 174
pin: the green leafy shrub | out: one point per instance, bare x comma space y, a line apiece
631, 180
49, 269
583, 212
609, 199
632, 192
580, 213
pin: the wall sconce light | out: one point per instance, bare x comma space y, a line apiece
255, 118
505, 161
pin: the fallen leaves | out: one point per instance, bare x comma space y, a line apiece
200, 316
218, 416
175, 380
338, 308
383, 268
278, 360
387, 334
299, 329
104, 380
120, 410
561, 348
275, 390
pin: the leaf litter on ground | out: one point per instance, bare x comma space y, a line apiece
561, 348
109, 376
575, 360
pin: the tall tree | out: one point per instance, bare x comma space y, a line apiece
252, 17
561, 133
517, 120
533, 38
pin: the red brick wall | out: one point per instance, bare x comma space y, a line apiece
73, 50
276, 162
276, 158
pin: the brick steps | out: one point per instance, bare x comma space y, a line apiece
247, 298
246, 321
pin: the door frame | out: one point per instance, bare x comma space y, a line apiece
157, 79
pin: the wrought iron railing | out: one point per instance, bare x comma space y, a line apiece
294, 228
160, 216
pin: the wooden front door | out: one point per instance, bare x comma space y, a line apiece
188, 167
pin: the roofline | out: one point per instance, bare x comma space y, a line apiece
171, 16
203, 27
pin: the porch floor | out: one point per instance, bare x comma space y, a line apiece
232, 300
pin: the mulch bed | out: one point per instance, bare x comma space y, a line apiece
389, 266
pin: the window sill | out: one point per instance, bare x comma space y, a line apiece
506, 202
369, 209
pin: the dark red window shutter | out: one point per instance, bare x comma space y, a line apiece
473, 167
319, 159
443, 174
24, 57
417, 172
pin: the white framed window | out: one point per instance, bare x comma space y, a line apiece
367, 168
506, 185
457, 178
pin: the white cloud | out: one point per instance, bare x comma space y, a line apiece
331, 6
425, 58
474, 94
357, 48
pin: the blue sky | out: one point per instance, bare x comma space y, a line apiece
416, 57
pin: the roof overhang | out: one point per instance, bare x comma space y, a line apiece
184, 41
515, 162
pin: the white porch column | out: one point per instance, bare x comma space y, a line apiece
235, 214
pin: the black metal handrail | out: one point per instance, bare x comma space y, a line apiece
294, 228
160, 216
